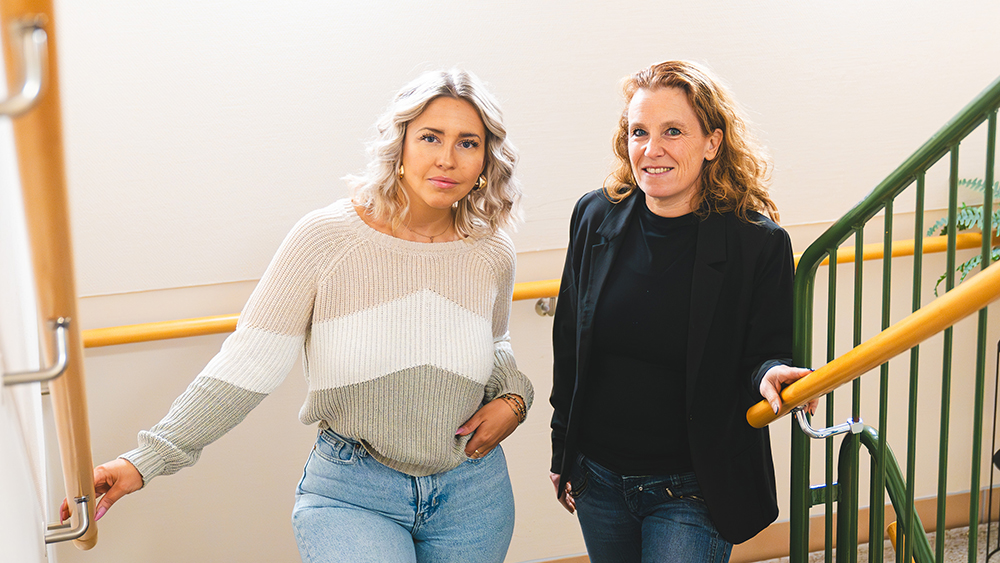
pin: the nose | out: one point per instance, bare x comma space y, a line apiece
446, 158
654, 147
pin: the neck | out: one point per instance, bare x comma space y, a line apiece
426, 229
668, 208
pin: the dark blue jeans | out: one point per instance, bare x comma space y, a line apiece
647, 519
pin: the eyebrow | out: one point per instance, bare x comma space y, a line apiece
440, 132
665, 124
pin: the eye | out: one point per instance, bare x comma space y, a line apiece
638, 132
673, 132
468, 144
428, 137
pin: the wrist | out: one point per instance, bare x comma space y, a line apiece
516, 404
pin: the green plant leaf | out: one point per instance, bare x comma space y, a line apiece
938, 225
979, 185
970, 217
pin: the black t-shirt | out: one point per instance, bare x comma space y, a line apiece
633, 416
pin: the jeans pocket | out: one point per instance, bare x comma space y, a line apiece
335, 449
682, 487
478, 460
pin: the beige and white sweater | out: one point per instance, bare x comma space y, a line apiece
403, 342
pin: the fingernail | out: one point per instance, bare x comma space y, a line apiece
100, 512
775, 407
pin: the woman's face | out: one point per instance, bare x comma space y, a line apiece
443, 155
667, 148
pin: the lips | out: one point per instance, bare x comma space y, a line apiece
442, 182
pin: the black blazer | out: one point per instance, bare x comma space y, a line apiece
740, 326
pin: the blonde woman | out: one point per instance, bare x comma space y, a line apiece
400, 299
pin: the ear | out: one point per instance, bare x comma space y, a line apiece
714, 143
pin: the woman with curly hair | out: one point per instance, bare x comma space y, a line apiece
674, 316
399, 300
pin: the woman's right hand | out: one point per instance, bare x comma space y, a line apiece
114, 480
565, 499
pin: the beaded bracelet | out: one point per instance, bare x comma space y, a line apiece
516, 404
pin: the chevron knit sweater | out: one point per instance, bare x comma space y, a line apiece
403, 342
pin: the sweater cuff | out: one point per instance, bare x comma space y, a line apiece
149, 463
507, 378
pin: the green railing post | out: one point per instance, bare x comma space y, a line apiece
949, 333
831, 354
847, 508
977, 428
799, 494
876, 520
908, 520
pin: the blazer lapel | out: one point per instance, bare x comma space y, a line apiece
602, 255
706, 283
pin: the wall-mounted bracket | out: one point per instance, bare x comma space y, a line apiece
546, 307
32, 42
61, 326
63, 532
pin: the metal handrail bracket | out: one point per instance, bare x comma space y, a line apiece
34, 51
854, 426
58, 532
61, 326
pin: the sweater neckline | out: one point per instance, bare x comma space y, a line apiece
366, 231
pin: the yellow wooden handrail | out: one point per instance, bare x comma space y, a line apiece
974, 294
875, 251
163, 330
38, 138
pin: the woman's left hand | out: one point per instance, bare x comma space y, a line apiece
491, 423
778, 377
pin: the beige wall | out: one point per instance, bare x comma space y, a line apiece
22, 514
198, 133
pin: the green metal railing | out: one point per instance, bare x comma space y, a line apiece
886, 473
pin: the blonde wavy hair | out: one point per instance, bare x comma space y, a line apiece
378, 188
737, 178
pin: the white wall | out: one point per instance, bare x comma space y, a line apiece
22, 469
197, 133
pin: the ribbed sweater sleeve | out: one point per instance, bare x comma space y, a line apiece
252, 362
505, 377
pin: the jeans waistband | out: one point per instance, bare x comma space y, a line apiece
330, 435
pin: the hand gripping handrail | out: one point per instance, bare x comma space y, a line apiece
34, 52
972, 295
61, 327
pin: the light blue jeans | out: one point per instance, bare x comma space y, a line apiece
351, 508
646, 518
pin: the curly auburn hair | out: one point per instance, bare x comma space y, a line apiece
737, 178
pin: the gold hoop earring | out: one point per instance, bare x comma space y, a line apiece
480, 183
400, 170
